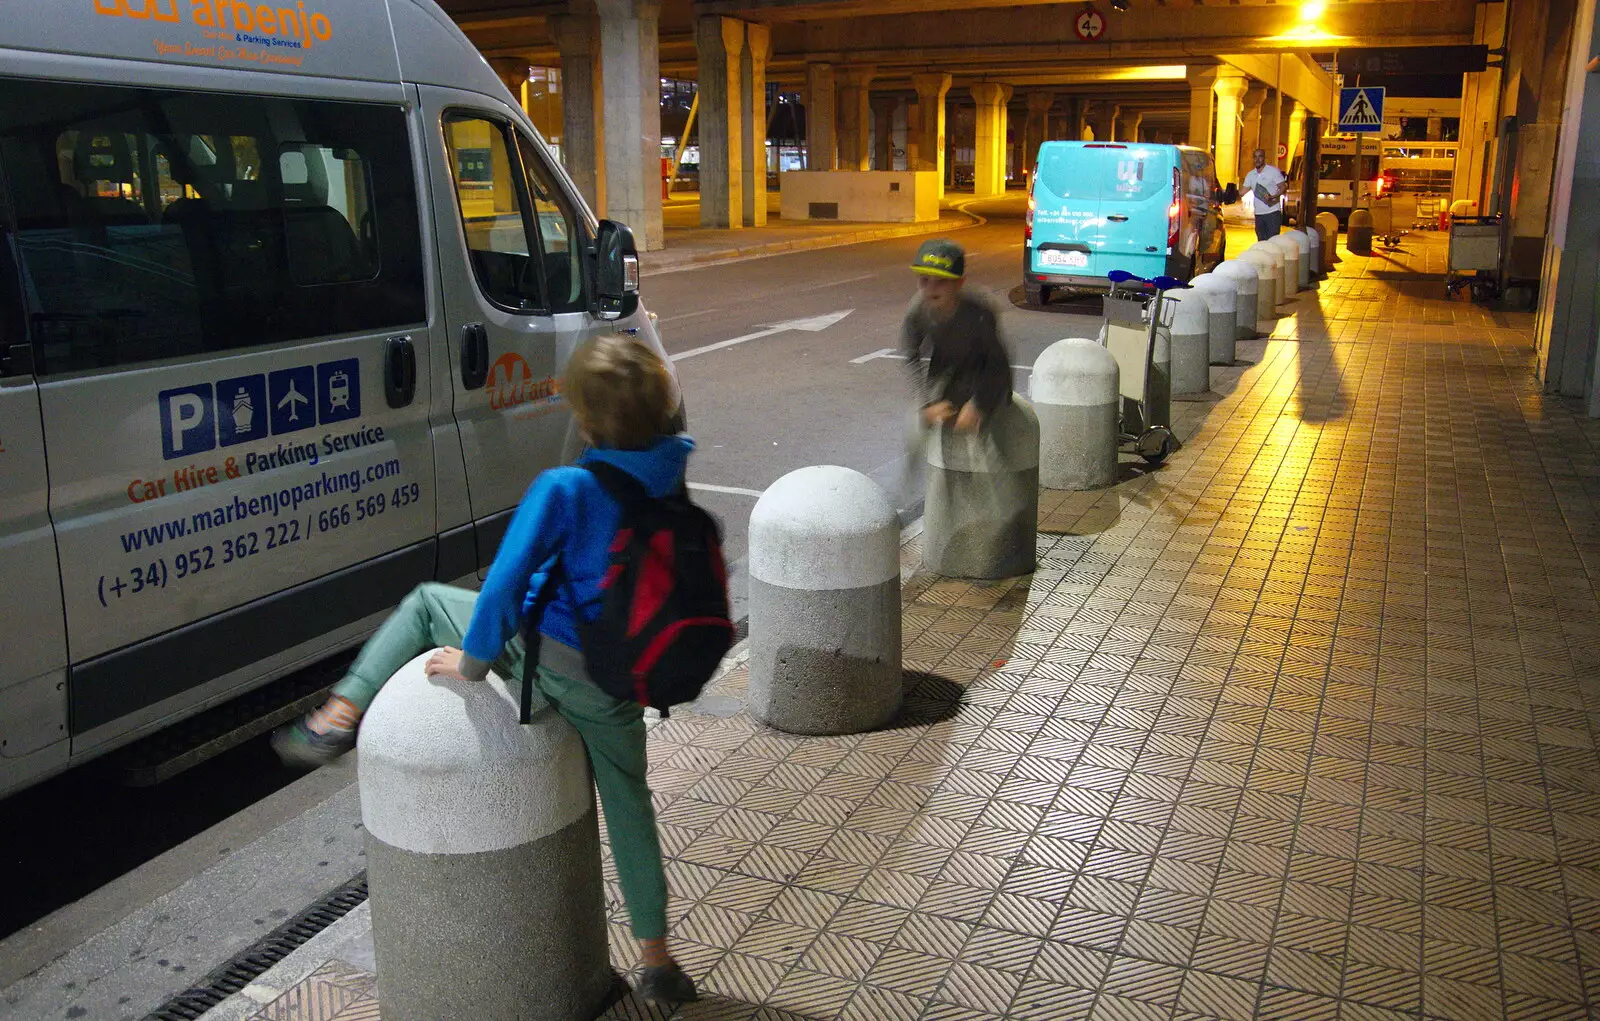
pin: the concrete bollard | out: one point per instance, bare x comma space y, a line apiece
483, 856
982, 513
824, 604
1284, 246
1328, 224
1307, 250
1075, 396
1247, 288
1191, 342
1358, 236
1302, 249
1283, 288
1222, 302
1271, 281
1314, 236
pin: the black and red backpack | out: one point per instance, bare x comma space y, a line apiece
664, 624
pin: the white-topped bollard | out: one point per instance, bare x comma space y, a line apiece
1328, 225
981, 519
483, 856
1191, 342
1222, 300
1075, 395
1247, 288
1270, 274
1289, 243
1285, 248
1314, 250
824, 604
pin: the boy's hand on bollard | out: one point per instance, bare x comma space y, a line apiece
970, 419
445, 662
938, 413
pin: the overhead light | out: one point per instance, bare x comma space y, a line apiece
1311, 10
1120, 6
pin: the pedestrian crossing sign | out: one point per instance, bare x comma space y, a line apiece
1361, 109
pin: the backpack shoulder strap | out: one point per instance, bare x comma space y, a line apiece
531, 639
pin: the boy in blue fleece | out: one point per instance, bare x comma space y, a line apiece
621, 397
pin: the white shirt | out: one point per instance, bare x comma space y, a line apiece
1269, 177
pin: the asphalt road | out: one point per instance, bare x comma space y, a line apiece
764, 407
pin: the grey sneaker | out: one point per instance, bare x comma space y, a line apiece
666, 985
298, 746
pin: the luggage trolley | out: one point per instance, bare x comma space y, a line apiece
1474, 256
1131, 320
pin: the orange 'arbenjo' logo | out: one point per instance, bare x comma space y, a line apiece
293, 27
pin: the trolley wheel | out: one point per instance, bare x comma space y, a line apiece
1156, 444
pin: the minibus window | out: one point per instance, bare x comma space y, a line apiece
494, 212
560, 242
155, 224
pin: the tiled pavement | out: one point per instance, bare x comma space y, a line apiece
1301, 726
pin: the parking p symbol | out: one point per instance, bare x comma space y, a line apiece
187, 423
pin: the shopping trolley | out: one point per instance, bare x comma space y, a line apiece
1133, 316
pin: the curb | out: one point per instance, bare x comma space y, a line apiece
772, 248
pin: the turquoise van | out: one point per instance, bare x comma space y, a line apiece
1093, 207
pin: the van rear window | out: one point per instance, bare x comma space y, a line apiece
154, 224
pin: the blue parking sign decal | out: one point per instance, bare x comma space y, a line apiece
292, 396
187, 425
241, 410
339, 390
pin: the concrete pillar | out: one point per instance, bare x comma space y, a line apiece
577, 38
825, 604
753, 105
1296, 133
629, 37
1078, 121
1480, 110
1250, 128
1038, 127
821, 103
1565, 336
1075, 396
1230, 90
982, 510
719, 42
989, 175
883, 108
1128, 123
483, 855
930, 140
1271, 128
1202, 104
855, 92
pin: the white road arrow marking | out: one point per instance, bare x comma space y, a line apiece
812, 324
889, 352
705, 487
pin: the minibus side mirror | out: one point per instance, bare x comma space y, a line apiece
616, 271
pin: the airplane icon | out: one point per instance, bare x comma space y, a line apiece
292, 400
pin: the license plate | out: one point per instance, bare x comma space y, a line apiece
1056, 257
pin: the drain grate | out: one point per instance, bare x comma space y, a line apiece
255, 960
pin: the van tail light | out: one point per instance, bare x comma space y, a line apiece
1027, 222
1173, 212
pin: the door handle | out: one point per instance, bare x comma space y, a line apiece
474, 356
400, 371
1117, 218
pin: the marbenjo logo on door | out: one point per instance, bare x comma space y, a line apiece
511, 384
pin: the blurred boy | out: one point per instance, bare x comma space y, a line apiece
968, 375
622, 399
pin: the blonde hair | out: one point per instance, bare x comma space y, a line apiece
620, 391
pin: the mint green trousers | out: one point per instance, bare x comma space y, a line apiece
612, 731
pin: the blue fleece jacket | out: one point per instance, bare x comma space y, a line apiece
566, 513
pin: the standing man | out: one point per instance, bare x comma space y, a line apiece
1266, 187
